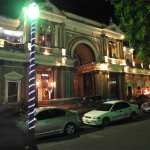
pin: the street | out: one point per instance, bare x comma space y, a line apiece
123, 135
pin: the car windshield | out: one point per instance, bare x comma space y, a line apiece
104, 107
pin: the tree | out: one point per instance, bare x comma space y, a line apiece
133, 17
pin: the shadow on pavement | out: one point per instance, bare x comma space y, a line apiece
81, 131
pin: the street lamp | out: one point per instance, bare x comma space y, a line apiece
33, 13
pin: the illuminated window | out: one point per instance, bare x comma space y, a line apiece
112, 49
42, 40
45, 34
48, 40
45, 40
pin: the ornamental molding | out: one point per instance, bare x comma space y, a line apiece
14, 76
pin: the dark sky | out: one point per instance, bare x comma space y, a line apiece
98, 10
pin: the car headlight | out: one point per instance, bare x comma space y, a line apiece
95, 117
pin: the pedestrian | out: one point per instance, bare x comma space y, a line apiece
22, 105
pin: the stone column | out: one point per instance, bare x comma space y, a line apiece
62, 81
62, 35
59, 77
120, 85
105, 86
55, 79
123, 86
36, 33
98, 84
1, 74
108, 86
104, 47
68, 83
56, 36
26, 31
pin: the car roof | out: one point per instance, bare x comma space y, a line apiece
113, 101
38, 109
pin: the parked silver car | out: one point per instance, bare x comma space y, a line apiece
51, 120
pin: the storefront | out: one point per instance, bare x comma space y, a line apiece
45, 83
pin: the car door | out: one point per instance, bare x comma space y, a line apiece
116, 112
126, 110
40, 123
56, 121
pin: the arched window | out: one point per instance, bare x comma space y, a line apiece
45, 34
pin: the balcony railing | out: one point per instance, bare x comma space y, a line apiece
11, 46
25, 48
114, 61
126, 63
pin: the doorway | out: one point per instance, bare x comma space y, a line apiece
83, 79
87, 82
114, 86
12, 91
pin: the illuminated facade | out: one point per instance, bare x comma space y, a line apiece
74, 57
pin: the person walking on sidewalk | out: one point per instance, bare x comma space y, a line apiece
22, 105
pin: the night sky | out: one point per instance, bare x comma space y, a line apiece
98, 10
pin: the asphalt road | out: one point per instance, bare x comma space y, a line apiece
124, 135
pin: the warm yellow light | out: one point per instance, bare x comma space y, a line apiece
46, 52
63, 51
58, 63
113, 60
64, 60
37, 84
124, 49
53, 84
122, 37
106, 58
131, 50
103, 67
142, 65
29, 46
1, 42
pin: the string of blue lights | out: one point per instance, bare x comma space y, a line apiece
32, 93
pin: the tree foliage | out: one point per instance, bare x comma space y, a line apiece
134, 20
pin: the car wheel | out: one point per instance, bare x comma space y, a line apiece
105, 122
133, 116
69, 129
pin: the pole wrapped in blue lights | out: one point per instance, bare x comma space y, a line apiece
33, 12
31, 101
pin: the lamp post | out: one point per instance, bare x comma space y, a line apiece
33, 13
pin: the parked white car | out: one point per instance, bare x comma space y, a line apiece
110, 111
51, 120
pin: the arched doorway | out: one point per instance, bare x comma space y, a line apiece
83, 81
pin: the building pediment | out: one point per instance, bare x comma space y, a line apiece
13, 76
49, 7
115, 28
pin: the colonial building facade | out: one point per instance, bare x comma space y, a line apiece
74, 57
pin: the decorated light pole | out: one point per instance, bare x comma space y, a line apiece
33, 13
